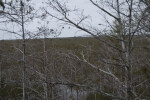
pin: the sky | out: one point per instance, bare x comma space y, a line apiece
85, 5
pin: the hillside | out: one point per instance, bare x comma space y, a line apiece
65, 70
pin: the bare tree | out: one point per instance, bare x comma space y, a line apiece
123, 12
19, 13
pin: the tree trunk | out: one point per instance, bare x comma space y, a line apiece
0, 71
45, 69
24, 48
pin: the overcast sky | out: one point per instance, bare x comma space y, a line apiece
88, 8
